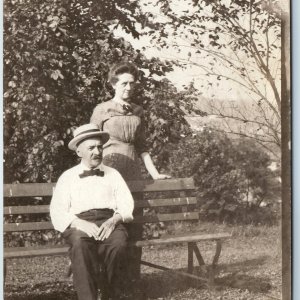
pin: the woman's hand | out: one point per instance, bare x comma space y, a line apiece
161, 176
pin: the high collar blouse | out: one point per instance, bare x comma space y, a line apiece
124, 125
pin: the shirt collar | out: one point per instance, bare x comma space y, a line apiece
83, 167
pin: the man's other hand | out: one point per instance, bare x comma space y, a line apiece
91, 229
109, 226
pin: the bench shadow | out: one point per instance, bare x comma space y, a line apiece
61, 290
247, 265
157, 284
166, 283
243, 281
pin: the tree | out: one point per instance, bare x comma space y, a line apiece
56, 59
237, 42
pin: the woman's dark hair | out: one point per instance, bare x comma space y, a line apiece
121, 68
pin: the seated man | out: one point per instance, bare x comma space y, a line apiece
90, 203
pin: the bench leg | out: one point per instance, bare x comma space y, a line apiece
198, 255
193, 248
190, 258
212, 267
218, 252
210, 270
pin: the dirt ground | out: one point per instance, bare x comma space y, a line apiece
249, 268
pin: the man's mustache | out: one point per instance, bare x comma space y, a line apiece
97, 157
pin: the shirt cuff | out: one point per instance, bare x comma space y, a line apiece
62, 225
125, 217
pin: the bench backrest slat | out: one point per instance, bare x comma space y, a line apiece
32, 226
28, 209
39, 209
29, 226
167, 217
46, 189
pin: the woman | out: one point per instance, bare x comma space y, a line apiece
123, 119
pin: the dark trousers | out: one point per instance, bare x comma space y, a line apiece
134, 254
87, 255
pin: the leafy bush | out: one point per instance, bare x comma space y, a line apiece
56, 58
232, 176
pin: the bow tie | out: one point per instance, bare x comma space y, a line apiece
127, 108
96, 172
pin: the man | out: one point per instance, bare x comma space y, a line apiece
90, 203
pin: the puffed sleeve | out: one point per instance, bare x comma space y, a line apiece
99, 116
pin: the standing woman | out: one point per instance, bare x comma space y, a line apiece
124, 121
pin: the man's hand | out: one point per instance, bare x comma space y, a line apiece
91, 229
109, 226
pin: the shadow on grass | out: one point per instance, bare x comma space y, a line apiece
254, 284
41, 291
245, 282
151, 286
245, 265
155, 285
159, 285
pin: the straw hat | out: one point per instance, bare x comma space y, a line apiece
87, 131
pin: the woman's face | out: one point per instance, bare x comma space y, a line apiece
124, 86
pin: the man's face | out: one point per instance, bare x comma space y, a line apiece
90, 152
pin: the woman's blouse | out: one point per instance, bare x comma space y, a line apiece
125, 125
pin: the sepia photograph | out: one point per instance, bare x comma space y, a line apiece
147, 150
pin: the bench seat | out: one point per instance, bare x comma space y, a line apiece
62, 250
171, 200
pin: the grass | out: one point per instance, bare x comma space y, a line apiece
249, 268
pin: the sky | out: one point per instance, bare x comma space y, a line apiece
181, 77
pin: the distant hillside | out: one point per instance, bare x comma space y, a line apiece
242, 118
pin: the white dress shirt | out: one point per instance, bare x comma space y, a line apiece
73, 195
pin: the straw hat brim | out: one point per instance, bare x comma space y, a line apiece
104, 136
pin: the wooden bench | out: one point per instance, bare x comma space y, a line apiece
178, 205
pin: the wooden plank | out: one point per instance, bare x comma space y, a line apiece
29, 226
35, 251
182, 239
166, 217
46, 189
28, 189
58, 250
28, 209
38, 209
166, 202
175, 184
32, 226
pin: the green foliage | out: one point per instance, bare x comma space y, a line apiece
232, 177
56, 58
